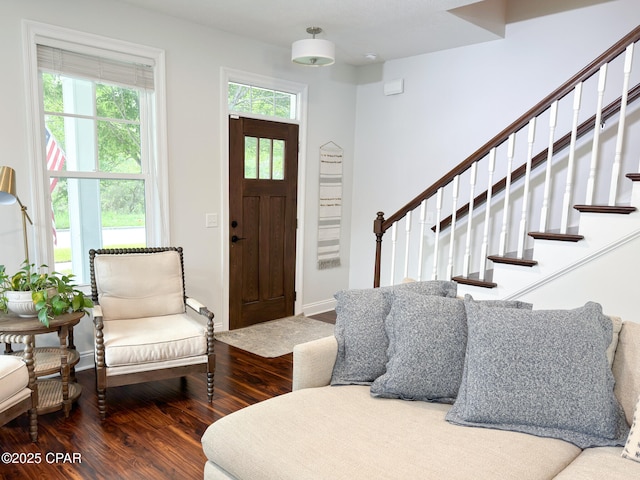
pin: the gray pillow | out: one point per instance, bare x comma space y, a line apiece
427, 343
359, 330
540, 372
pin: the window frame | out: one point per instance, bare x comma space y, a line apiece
157, 226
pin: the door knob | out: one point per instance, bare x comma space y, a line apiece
236, 238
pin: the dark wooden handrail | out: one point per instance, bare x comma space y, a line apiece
540, 159
381, 225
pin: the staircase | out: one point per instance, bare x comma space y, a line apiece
568, 192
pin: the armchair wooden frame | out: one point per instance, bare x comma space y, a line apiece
103, 380
29, 404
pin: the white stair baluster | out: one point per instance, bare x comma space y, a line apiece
436, 243
484, 251
566, 203
544, 211
394, 241
407, 244
423, 222
613, 192
525, 195
472, 187
452, 227
507, 195
602, 80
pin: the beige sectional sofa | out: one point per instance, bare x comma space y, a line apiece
345, 431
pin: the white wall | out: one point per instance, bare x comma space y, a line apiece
457, 100
194, 58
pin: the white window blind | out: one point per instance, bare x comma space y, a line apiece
61, 61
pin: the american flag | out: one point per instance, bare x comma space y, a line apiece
55, 162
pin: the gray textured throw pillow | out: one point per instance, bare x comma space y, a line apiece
540, 372
427, 343
359, 330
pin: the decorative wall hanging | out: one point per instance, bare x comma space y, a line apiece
330, 212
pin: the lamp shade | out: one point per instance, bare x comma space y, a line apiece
313, 52
7, 186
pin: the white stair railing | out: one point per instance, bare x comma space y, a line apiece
595, 146
615, 172
522, 233
507, 196
566, 202
544, 212
454, 256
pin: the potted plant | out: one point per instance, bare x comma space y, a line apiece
31, 292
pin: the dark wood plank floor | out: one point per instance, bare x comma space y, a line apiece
152, 430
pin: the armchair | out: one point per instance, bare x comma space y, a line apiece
142, 329
18, 389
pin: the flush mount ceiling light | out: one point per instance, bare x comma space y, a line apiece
314, 52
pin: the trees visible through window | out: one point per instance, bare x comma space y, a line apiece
99, 154
261, 101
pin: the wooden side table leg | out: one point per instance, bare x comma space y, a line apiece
64, 370
72, 345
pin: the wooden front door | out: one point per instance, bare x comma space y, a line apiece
263, 182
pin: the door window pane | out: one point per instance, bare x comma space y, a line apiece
265, 158
278, 160
250, 157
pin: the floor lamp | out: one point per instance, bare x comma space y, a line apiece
8, 196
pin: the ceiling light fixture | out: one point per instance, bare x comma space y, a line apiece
314, 52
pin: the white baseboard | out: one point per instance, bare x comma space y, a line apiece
319, 307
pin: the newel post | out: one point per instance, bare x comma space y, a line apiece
377, 229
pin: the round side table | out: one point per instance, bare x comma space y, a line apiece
53, 393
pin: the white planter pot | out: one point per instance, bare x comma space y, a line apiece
21, 303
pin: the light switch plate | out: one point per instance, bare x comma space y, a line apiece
211, 220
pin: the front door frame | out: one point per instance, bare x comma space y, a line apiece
230, 75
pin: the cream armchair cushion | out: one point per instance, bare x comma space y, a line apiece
139, 285
153, 339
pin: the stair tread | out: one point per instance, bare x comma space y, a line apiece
512, 259
634, 177
474, 280
561, 237
619, 209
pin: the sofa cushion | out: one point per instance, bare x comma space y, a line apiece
626, 368
542, 372
602, 463
632, 446
343, 433
359, 330
427, 342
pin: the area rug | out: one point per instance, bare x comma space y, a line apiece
276, 337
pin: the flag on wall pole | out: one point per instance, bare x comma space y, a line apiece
55, 162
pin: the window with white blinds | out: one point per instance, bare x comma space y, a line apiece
61, 61
100, 160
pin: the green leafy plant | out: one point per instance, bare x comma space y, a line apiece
52, 293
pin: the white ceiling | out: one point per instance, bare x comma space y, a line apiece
387, 28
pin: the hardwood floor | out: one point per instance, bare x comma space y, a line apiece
152, 430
